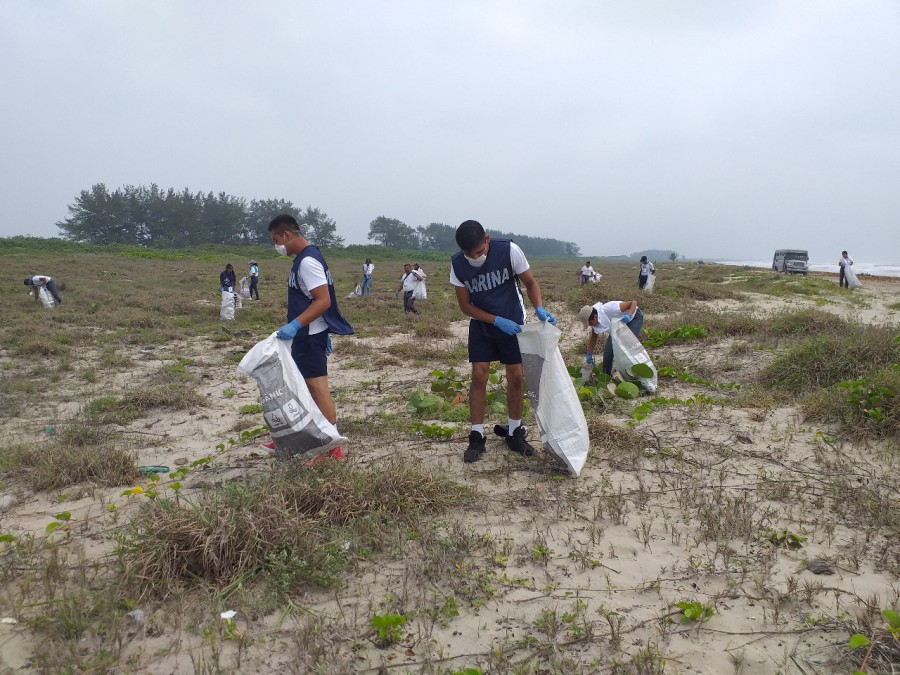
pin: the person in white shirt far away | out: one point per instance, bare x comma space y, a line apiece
367, 269
408, 283
39, 280
587, 273
844, 262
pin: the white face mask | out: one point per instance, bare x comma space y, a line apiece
477, 262
281, 249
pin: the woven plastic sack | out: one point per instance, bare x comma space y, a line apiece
557, 410
50, 303
419, 292
226, 312
648, 287
245, 288
297, 425
852, 281
356, 292
628, 352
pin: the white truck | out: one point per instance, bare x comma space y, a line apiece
791, 261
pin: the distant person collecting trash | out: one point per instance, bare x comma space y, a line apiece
587, 273
646, 270
599, 316
39, 280
227, 279
312, 314
254, 279
408, 283
486, 274
844, 264
367, 269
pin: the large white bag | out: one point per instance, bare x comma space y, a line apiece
50, 303
356, 292
297, 425
627, 352
419, 292
226, 312
557, 410
852, 281
651, 279
245, 288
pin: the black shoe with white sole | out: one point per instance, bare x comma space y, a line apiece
476, 447
517, 442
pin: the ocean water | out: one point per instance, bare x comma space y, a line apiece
879, 269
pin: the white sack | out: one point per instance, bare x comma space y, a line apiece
852, 281
50, 303
648, 287
628, 351
245, 288
595, 278
557, 410
356, 292
226, 313
297, 425
419, 292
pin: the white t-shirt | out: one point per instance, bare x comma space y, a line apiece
40, 280
410, 280
587, 271
845, 262
647, 269
606, 312
516, 256
368, 269
311, 275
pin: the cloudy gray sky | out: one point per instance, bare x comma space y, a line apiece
715, 128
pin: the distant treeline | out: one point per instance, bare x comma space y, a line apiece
149, 216
442, 237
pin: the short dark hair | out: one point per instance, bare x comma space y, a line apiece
843, 252
229, 266
29, 282
284, 223
469, 235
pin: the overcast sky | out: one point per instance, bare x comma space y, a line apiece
715, 128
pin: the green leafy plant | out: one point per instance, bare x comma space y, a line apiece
627, 390
695, 612
250, 409
685, 376
642, 370
421, 402
389, 627
450, 384
858, 640
657, 338
787, 538
868, 397
433, 430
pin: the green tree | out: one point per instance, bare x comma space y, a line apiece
320, 229
437, 237
673, 256
392, 233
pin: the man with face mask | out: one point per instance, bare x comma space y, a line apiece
486, 273
312, 313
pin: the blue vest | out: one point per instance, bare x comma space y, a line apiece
492, 287
298, 301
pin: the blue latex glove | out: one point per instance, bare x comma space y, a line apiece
589, 358
329, 348
626, 317
507, 326
289, 330
544, 315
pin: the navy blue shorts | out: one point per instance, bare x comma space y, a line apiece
489, 343
308, 352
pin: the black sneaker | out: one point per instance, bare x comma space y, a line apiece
518, 444
476, 447
501, 430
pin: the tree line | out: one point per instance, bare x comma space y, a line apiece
149, 216
166, 218
442, 237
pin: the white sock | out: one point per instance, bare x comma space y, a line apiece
513, 425
479, 428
